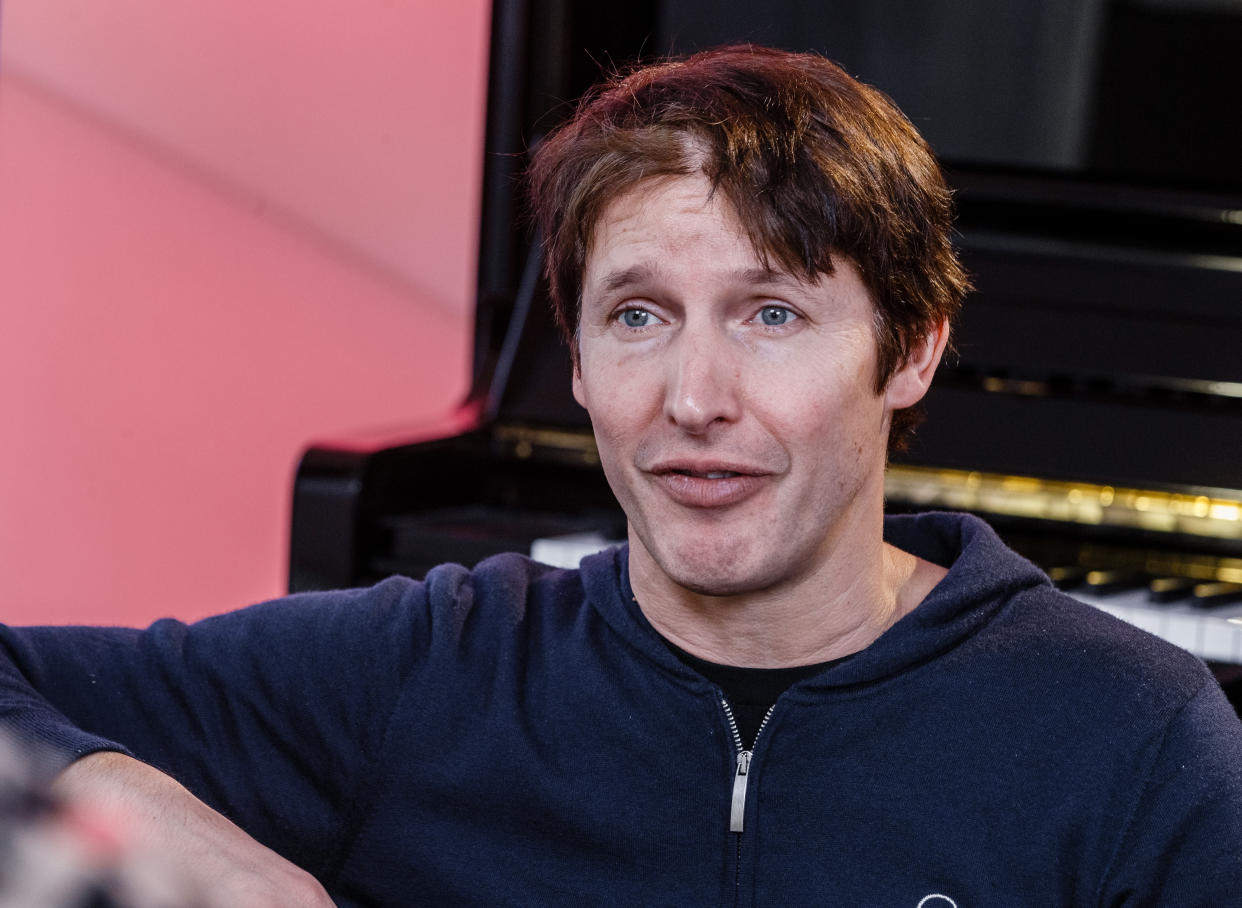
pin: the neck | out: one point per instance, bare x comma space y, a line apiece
857, 592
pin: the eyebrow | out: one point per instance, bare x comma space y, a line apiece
641, 274
767, 276
626, 277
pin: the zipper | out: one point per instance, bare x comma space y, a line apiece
741, 775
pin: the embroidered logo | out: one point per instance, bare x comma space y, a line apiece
936, 900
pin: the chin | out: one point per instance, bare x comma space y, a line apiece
718, 573
716, 587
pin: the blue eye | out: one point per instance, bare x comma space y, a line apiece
637, 318
774, 316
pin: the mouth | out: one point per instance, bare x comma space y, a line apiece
706, 474
708, 485
705, 469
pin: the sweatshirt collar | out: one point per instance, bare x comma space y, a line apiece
983, 576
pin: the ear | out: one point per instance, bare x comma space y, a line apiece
910, 382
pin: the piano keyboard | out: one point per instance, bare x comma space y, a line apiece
1213, 632
1209, 624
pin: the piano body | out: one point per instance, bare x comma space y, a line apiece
1092, 412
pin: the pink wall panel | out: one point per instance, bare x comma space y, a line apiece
361, 121
166, 350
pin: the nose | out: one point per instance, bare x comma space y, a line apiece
702, 385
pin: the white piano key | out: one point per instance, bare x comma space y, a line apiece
567, 551
1184, 630
1225, 646
1205, 632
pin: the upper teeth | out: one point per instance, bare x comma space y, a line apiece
719, 474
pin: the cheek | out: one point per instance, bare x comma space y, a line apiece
797, 392
829, 418
608, 371
615, 396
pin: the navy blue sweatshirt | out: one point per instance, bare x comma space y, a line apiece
521, 735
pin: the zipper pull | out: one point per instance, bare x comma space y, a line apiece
738, 808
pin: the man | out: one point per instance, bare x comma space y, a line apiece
772, 695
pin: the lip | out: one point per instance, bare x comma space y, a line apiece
699, 484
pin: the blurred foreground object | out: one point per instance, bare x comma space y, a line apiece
58, 854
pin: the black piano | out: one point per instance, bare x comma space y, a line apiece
1092, 411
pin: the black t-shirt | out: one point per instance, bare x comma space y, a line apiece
750, 691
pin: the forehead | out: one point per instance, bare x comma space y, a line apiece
667, 213
679, 231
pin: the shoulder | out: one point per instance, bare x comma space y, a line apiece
504, 588
401, 615
1028, 629
1103, 652
499, 584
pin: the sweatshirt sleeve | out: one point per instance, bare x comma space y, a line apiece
1182, 843
272, 714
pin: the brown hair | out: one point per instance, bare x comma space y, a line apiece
815, 163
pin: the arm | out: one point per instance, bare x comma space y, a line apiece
271, 715
1182, 843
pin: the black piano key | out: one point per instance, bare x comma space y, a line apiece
1170, 589
1210, 595
1104, 582
1067, 576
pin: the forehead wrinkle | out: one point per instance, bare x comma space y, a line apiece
646, 210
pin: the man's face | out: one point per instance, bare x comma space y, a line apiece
734, 407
